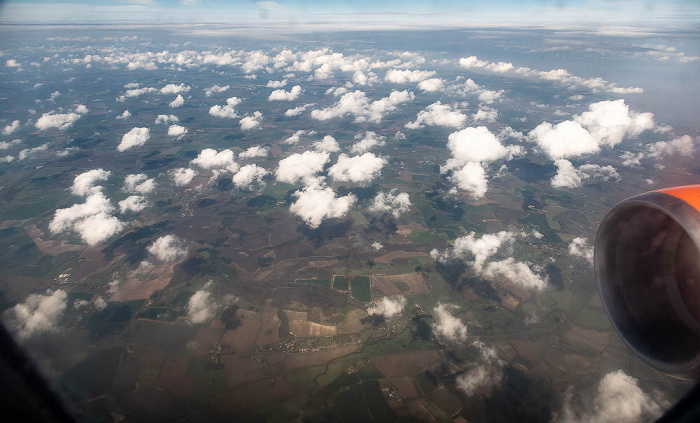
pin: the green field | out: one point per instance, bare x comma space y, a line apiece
321, 282
361, 289
340, 283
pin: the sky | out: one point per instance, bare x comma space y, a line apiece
380, 13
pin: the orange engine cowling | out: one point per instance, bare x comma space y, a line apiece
647, 263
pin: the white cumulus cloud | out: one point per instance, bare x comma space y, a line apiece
358, 169
37, 313
134, 138
255, 151
133, 203
250, 122
579, 247
388, 307
211, 159
438, 114
11, 128
168, 248
183, 176
282, 95
367, 142
446, 326
248, 176
316, 203
301, 166
394, 202
85, 183
177, 131
328, 144
227, 111
178, 102
358, 105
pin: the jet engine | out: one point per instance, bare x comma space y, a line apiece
647, 263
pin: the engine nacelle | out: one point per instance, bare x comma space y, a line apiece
647, 262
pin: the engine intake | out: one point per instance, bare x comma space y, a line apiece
647, 263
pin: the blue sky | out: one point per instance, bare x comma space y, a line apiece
436, 11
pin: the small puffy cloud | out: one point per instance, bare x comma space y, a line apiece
470, 148
367, 142
133, 203
446, 326
177, 131
276, 84
250, 122
211, 159
125, 115
139, 183
295, 137
248, 176
478, 251
282, 95
605, 123
358, 169
98, 227
431, 85
631, 159
566, 139
4, 145
376, 246
201, 307
134, 138
255, 151
618, 399
394, 202
358, 105
11, 128
485, 376
29, 152
61, 121
175, 89
485, 114
569, 177
469, 87
388, 307
315, 203
610, 121
471, 178
328, 144
682, 146
84, 183
136, 92
481, 249
518, 273
297, 110
91, 220
6, 159
12, 63
208, 92
168, 248
166, 119
579, 247
438, 114
477, 145
179, 101
37, 313
183, 176
301, 166
472, 62
398, 76
226, 111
